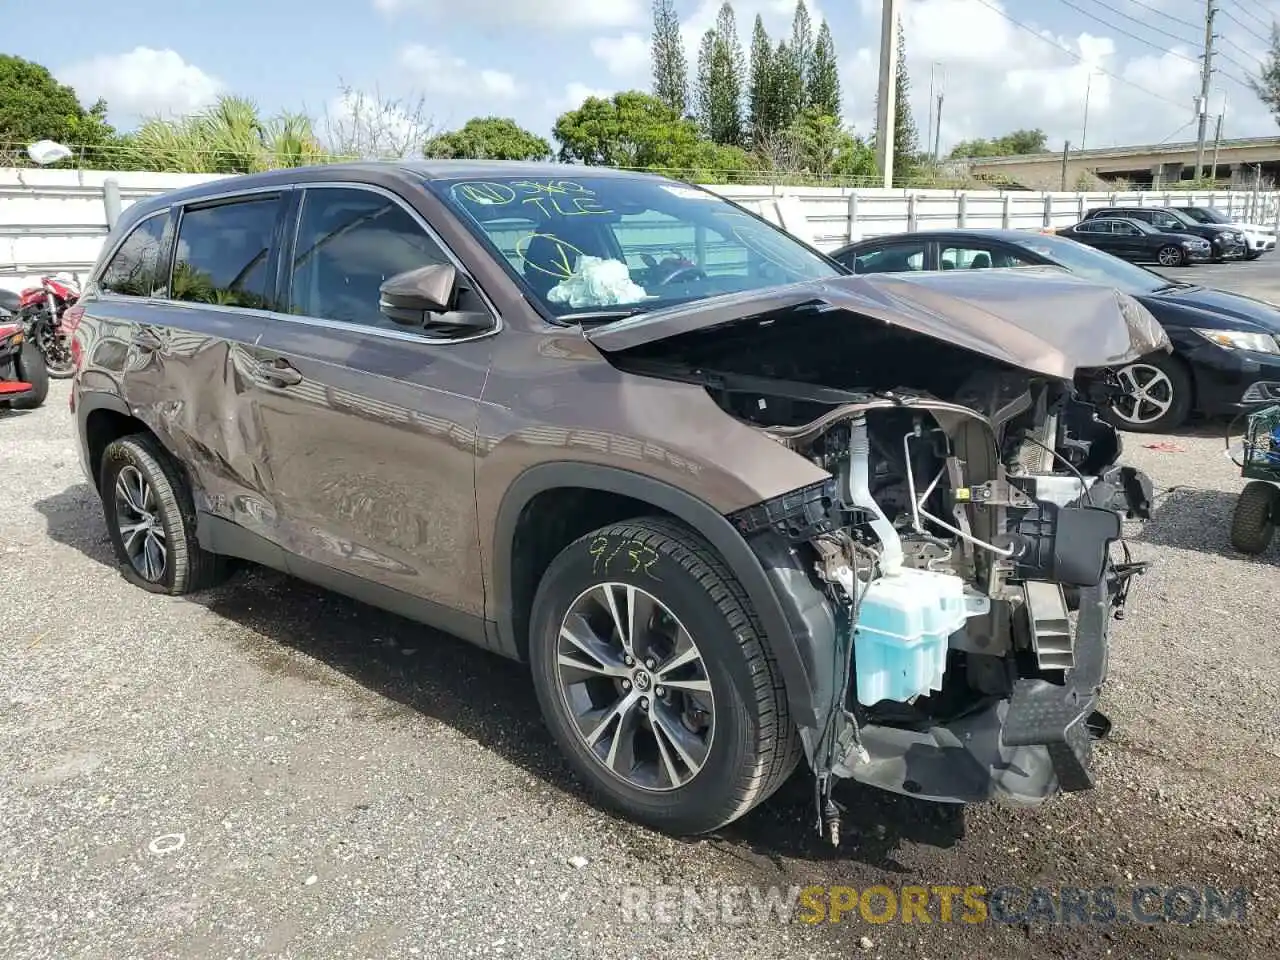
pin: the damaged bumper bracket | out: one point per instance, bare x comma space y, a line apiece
1057, 716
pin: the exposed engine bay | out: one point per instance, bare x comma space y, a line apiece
970, 513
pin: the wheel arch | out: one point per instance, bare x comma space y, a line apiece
105, 418
515, 575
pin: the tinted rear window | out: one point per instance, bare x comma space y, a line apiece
223, 252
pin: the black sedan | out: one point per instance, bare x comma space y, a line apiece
1226, 347
1139, 242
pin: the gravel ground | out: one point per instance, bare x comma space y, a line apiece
270, 770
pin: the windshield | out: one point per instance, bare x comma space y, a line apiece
612, 244
1182, 217
1094, 264
1207, 214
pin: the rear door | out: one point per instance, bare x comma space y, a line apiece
186, 342
370, 426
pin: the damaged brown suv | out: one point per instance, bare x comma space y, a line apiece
734, 506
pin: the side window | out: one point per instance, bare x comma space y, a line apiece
349, 242
898, 258
132, 270
1125, 229
981, 258
223, 252
1090, 226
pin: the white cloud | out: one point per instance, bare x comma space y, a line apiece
435, 71
624, 56
142, 82
997, 77
564, 15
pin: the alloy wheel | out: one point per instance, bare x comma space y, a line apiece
141, 528
635, 686
1169, 256
1148, 394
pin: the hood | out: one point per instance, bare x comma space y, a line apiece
1226, 306
1041, 320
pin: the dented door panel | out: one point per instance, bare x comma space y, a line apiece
371, 455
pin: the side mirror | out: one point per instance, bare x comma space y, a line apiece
407, 298
428, 296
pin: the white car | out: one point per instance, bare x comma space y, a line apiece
1259, 237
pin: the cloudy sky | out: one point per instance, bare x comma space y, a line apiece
1006, 63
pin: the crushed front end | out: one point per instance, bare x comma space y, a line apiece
954, 542
951, 583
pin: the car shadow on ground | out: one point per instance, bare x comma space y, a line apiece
490, 699
1200, 520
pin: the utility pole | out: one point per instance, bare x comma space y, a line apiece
1206, 74
886, 110
1066, 152
1217, 139
937, 131
1084, 128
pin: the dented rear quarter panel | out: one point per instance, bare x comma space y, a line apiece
193, 391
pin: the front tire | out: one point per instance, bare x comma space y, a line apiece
152, 519
1158, 398
655, 678
1254, 521
1171, 256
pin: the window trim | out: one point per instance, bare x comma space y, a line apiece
289, 244
226, 200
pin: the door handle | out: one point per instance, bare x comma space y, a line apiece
279, 373
145, 340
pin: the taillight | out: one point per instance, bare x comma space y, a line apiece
70, 321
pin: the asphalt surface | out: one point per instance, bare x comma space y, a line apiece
268, 770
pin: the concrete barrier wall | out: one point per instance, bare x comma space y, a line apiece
55, 220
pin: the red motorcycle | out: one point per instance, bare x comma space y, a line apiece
41, 310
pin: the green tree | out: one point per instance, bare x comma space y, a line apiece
800, 52
823, 147
763, 109
35, 106
720, 70
823, 80
1011, 144
670, 69
638, 131
488, 138
1267, 83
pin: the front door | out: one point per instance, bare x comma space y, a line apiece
370, 426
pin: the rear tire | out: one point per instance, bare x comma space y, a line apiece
31, 369
1254, 521
752, 746
151, 517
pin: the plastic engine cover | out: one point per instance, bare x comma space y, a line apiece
900, 640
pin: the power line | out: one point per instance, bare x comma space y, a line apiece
1077, 57
1262, 23
1131, 19
1245, 27
1167, 16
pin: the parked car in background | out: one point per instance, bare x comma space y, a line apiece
1138, 241
1261, 237
1227, 242
1226, 351
637, 437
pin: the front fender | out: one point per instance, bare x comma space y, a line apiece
798, 622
